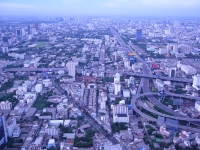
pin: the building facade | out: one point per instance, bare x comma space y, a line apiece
3, 133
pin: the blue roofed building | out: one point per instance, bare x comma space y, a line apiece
172, 124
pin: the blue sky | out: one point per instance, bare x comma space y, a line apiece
101, 7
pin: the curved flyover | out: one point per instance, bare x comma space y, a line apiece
134, 100
155, 120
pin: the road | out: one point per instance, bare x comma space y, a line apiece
136, 99
145, 87
155, 120
185, 80
87, 117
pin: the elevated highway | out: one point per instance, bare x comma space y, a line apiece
135, 100
99, 71
155, 120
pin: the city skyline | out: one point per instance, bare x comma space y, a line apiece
103, 7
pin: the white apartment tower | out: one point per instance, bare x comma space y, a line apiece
196, 82
117, 85
10, 126
71, 68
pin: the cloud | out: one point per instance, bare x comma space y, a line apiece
110, 4
166, 3
13, 5
71, 1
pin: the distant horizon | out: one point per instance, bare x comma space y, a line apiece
108, 16
160, 8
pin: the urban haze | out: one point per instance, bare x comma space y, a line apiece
99, 74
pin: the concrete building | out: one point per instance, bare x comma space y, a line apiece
197, 139
117, 85
164, 131
186, 49
51, 143
3, 133
4, 49
138, 34
162, 51
173, 48
197, 105
159, 84
51, 130
71, 68
38, 88
16, 132
120, 113
187, 69
62, 109
5, 105
172, 72
47, 83
102, 105
113, 147
10, 126
126, 93
196, 82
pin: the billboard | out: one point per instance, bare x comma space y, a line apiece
155, 66
131, 53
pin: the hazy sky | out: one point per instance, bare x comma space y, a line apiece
101, 7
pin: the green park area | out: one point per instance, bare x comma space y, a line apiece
41, 101
84, 142
116, 127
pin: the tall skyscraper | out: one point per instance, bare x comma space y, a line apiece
138, 34
3, 133
29, 29
71, 68
19, 32
37, 26
172, 72
117, 85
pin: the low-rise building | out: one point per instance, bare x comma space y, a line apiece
120, 113
5, 105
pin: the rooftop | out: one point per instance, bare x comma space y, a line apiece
69, 135
114, 147
121, 115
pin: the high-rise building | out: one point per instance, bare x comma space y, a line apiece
11, 125
196, 82
172, 72
117, 78
37, 26
19, 32
117, 85
29, 29
71, 68
3, 133
23, 32
138, 34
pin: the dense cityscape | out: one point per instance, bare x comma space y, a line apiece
99, 83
